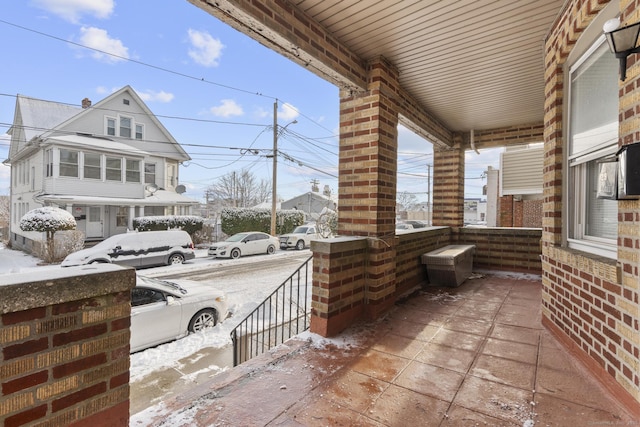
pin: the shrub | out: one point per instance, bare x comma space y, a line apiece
189, 223
237, 220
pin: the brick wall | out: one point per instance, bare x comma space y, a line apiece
510, 249
65, 347
448, 186
519, 213
410, 272
339, 277
591, 303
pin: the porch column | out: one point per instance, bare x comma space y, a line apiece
367, 202
132, 214
448, 185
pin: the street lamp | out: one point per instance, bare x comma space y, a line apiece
274, 190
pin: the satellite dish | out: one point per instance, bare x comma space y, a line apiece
180, 189
151, 188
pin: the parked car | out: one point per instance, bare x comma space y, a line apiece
403, 226
300, 238
241, 244
163, 310
416, 224
138, 249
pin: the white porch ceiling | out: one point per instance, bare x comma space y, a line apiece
474, 64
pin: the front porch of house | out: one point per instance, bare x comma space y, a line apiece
473, 355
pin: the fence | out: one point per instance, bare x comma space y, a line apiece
283, 314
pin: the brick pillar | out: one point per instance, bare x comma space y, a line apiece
448, 186
368, 177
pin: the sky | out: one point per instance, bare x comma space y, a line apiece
211, 86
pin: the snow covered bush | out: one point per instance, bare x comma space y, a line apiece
189, 223
237, 220
48, 219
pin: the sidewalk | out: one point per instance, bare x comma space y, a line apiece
470, 356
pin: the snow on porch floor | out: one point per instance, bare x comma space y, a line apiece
475, 355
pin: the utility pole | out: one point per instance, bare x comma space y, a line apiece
274, 191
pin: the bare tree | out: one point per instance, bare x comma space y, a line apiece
241, 190
405, 201
4, 211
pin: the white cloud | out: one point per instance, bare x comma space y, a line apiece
205, 49
100, 40
288, 112
72, 10
261, 113
227, 108
151, 95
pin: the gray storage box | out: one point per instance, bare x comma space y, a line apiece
450, 265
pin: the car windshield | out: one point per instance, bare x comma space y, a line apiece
150, 281
237, 237
300, 230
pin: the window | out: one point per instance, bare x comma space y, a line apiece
593, 137
91, 166
111, 126
114, 169
133, 170
149, 173
122, 217
68, 163
139, 131
125, 127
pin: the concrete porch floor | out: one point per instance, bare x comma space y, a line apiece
475, 355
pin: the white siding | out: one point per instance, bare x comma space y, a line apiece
521, 171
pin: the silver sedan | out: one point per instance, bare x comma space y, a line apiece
162, 310
241, 244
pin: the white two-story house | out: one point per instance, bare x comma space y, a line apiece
105, 163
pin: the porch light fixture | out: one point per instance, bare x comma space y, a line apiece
622, 42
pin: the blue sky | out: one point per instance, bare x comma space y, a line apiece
212, 87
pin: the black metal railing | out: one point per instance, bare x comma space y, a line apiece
283, 314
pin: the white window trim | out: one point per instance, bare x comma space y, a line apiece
594, 245
106, 125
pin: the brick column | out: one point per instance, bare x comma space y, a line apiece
367, 186
448, 186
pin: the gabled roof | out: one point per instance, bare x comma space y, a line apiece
41, 119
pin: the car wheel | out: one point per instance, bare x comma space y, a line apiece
300, 245
271, 249
175, 259
203, 319
235, 253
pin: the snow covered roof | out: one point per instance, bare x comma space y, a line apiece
159, 198
38, 116
96, 143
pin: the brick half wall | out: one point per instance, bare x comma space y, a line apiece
65, 347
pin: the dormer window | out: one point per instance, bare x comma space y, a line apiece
111, 126
125, 127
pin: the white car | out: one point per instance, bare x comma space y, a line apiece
241, 244
137, 249
300, 238
164, 310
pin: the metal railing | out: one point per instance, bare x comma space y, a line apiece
283, 314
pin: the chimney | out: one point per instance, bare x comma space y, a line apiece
86, 103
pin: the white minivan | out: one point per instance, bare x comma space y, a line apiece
138, 249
